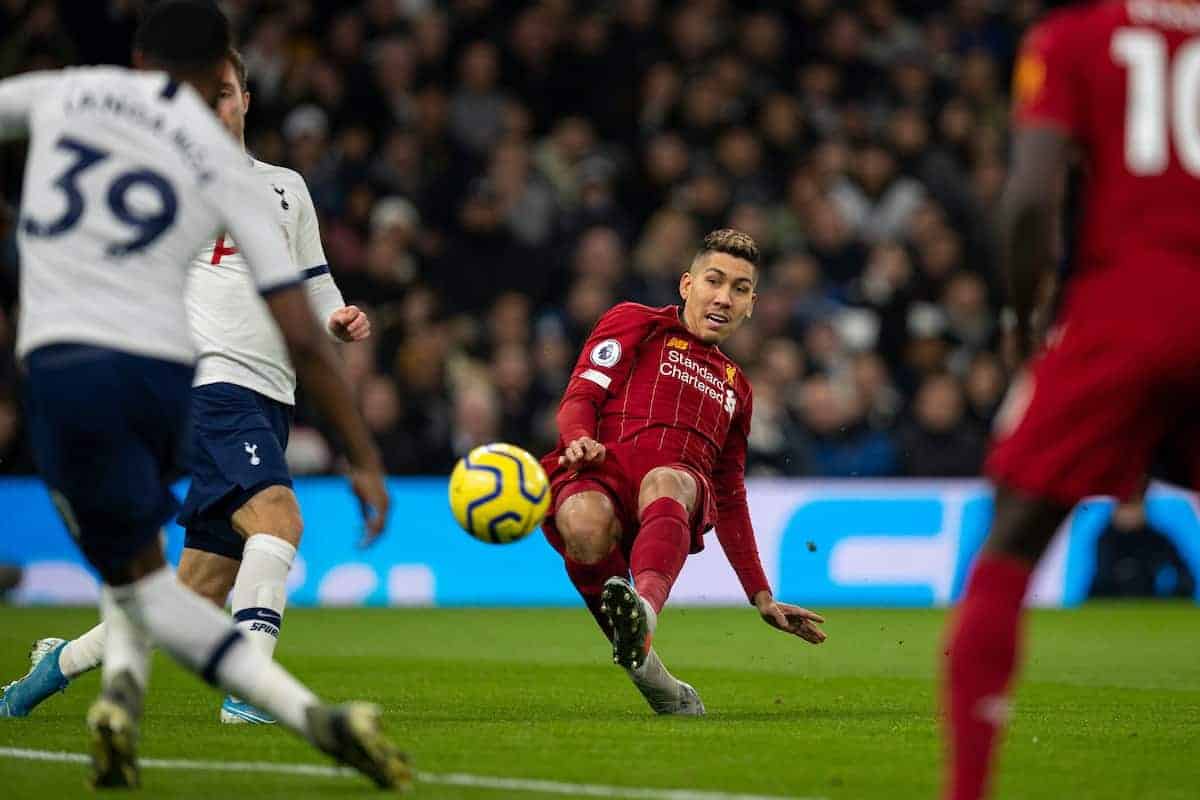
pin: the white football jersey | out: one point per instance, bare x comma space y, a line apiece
128, 175
236, 339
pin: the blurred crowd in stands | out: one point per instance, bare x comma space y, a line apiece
492, 175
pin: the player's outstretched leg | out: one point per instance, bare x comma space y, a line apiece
259, 598
209, 568
251, 549
633, 622
156, 607
53, 664
586, 533
665, 693
984, 641
20, 697
666, 500
661, 546
590, 526
114, 717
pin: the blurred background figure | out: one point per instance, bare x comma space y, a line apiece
941, 440
1135, 560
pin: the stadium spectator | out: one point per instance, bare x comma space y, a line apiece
841, 444
878, 202
572, 154
776, 438
1135, 560
984, 385
477, 109
941, 440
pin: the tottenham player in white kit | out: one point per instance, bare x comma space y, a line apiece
128, 174
240, 510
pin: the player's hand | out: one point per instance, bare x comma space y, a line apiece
372, 494
583, 452
350, 324
789, 618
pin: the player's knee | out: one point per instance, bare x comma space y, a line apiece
588, 527
274, 510
667, 482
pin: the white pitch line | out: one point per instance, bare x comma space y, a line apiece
590, 789
446, 778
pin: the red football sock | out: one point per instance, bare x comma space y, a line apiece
589, 582
983, 651
660, 549
589, 579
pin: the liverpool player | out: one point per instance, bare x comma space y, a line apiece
1120, 371
652, 453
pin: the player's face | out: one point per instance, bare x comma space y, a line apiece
232, 103
718, 295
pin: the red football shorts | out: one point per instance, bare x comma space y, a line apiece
619, 477
1117, 383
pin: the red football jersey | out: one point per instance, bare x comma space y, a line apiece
664, 389
1122, 80
644, 381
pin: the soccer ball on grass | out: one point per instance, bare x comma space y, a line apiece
499, 493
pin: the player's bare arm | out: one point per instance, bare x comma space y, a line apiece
320, 371
719, 294
1027, 219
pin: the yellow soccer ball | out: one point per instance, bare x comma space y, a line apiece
499, 493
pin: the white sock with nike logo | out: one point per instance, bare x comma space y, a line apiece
260, 590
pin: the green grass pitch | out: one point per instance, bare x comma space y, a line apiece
1109, 708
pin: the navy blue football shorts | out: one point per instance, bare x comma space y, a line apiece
109, 433
238, 439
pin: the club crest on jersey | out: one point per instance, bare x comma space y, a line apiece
730, 373
283, 203
677, 343
1028, 79
252, 451
606, 353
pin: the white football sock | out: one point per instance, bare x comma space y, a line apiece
653, 673
651, 615
82, 654
202, 638
259, 593
250, 674
126, 643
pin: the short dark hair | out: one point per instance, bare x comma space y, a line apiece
731, 242
183, 35
239, 66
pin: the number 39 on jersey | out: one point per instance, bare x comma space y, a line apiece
141, 200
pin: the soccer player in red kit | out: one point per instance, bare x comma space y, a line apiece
1119, 373
652, 453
